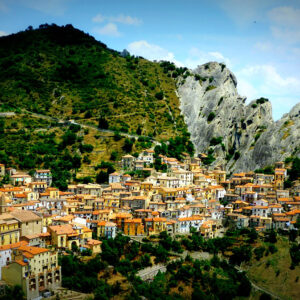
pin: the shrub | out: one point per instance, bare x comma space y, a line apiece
237, 155
211, 116
262, 100
273, 248
216, 140
103, 124
220, 101
259, 252
159, 95
114, 155
210, 87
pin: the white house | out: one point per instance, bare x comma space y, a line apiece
114, 177
185, 224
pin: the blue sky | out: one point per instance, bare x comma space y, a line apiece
258, 40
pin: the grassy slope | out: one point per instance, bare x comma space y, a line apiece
284, 284
63, 72
24, 132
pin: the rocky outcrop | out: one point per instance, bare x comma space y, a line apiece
241, 137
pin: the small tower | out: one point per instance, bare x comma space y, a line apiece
3, 206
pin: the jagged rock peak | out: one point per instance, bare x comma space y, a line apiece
248, 137
218, 71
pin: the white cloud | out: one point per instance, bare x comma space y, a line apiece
285, 23
3, 33
151, 51
109, 29
265, 81
263, 46
271, 76
99, 19
197, 57
285, 16
290, 36
123, 19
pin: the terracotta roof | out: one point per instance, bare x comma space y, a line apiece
63, 229
15, 245
21, 262
92, 242
33, 250
25, 215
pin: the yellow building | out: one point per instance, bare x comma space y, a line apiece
9, 229
29, 222
94, 246
34, 269
155, 225
63, 236
133, 227
106, 229
168, 193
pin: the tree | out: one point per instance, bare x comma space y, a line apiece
114, 155
211, 116
145, 260
271, 236
102, 177
76, 161
69, 138
2, 126
14, 292
245, 286
103, 124
240, 254
259, 252
161, 254
159, 95
294, 173
128, 145
139, 130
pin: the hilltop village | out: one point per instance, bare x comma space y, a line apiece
38, 222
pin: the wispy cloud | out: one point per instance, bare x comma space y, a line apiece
123, 19
109, 29
3, 33
244, 12
263, 46
265, 81
51, 7
285, 23
152, 51
197, 57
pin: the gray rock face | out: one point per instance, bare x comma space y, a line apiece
251, 139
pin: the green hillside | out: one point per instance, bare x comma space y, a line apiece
63, 72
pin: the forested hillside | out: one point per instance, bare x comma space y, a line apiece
62, 71
65, 74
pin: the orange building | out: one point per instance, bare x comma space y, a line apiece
133, 227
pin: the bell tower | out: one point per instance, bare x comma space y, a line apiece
3, 206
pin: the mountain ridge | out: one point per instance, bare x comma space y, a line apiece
249, 138
64, 72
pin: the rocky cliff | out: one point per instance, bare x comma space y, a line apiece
239, 137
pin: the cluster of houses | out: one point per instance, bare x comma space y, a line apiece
37, 220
